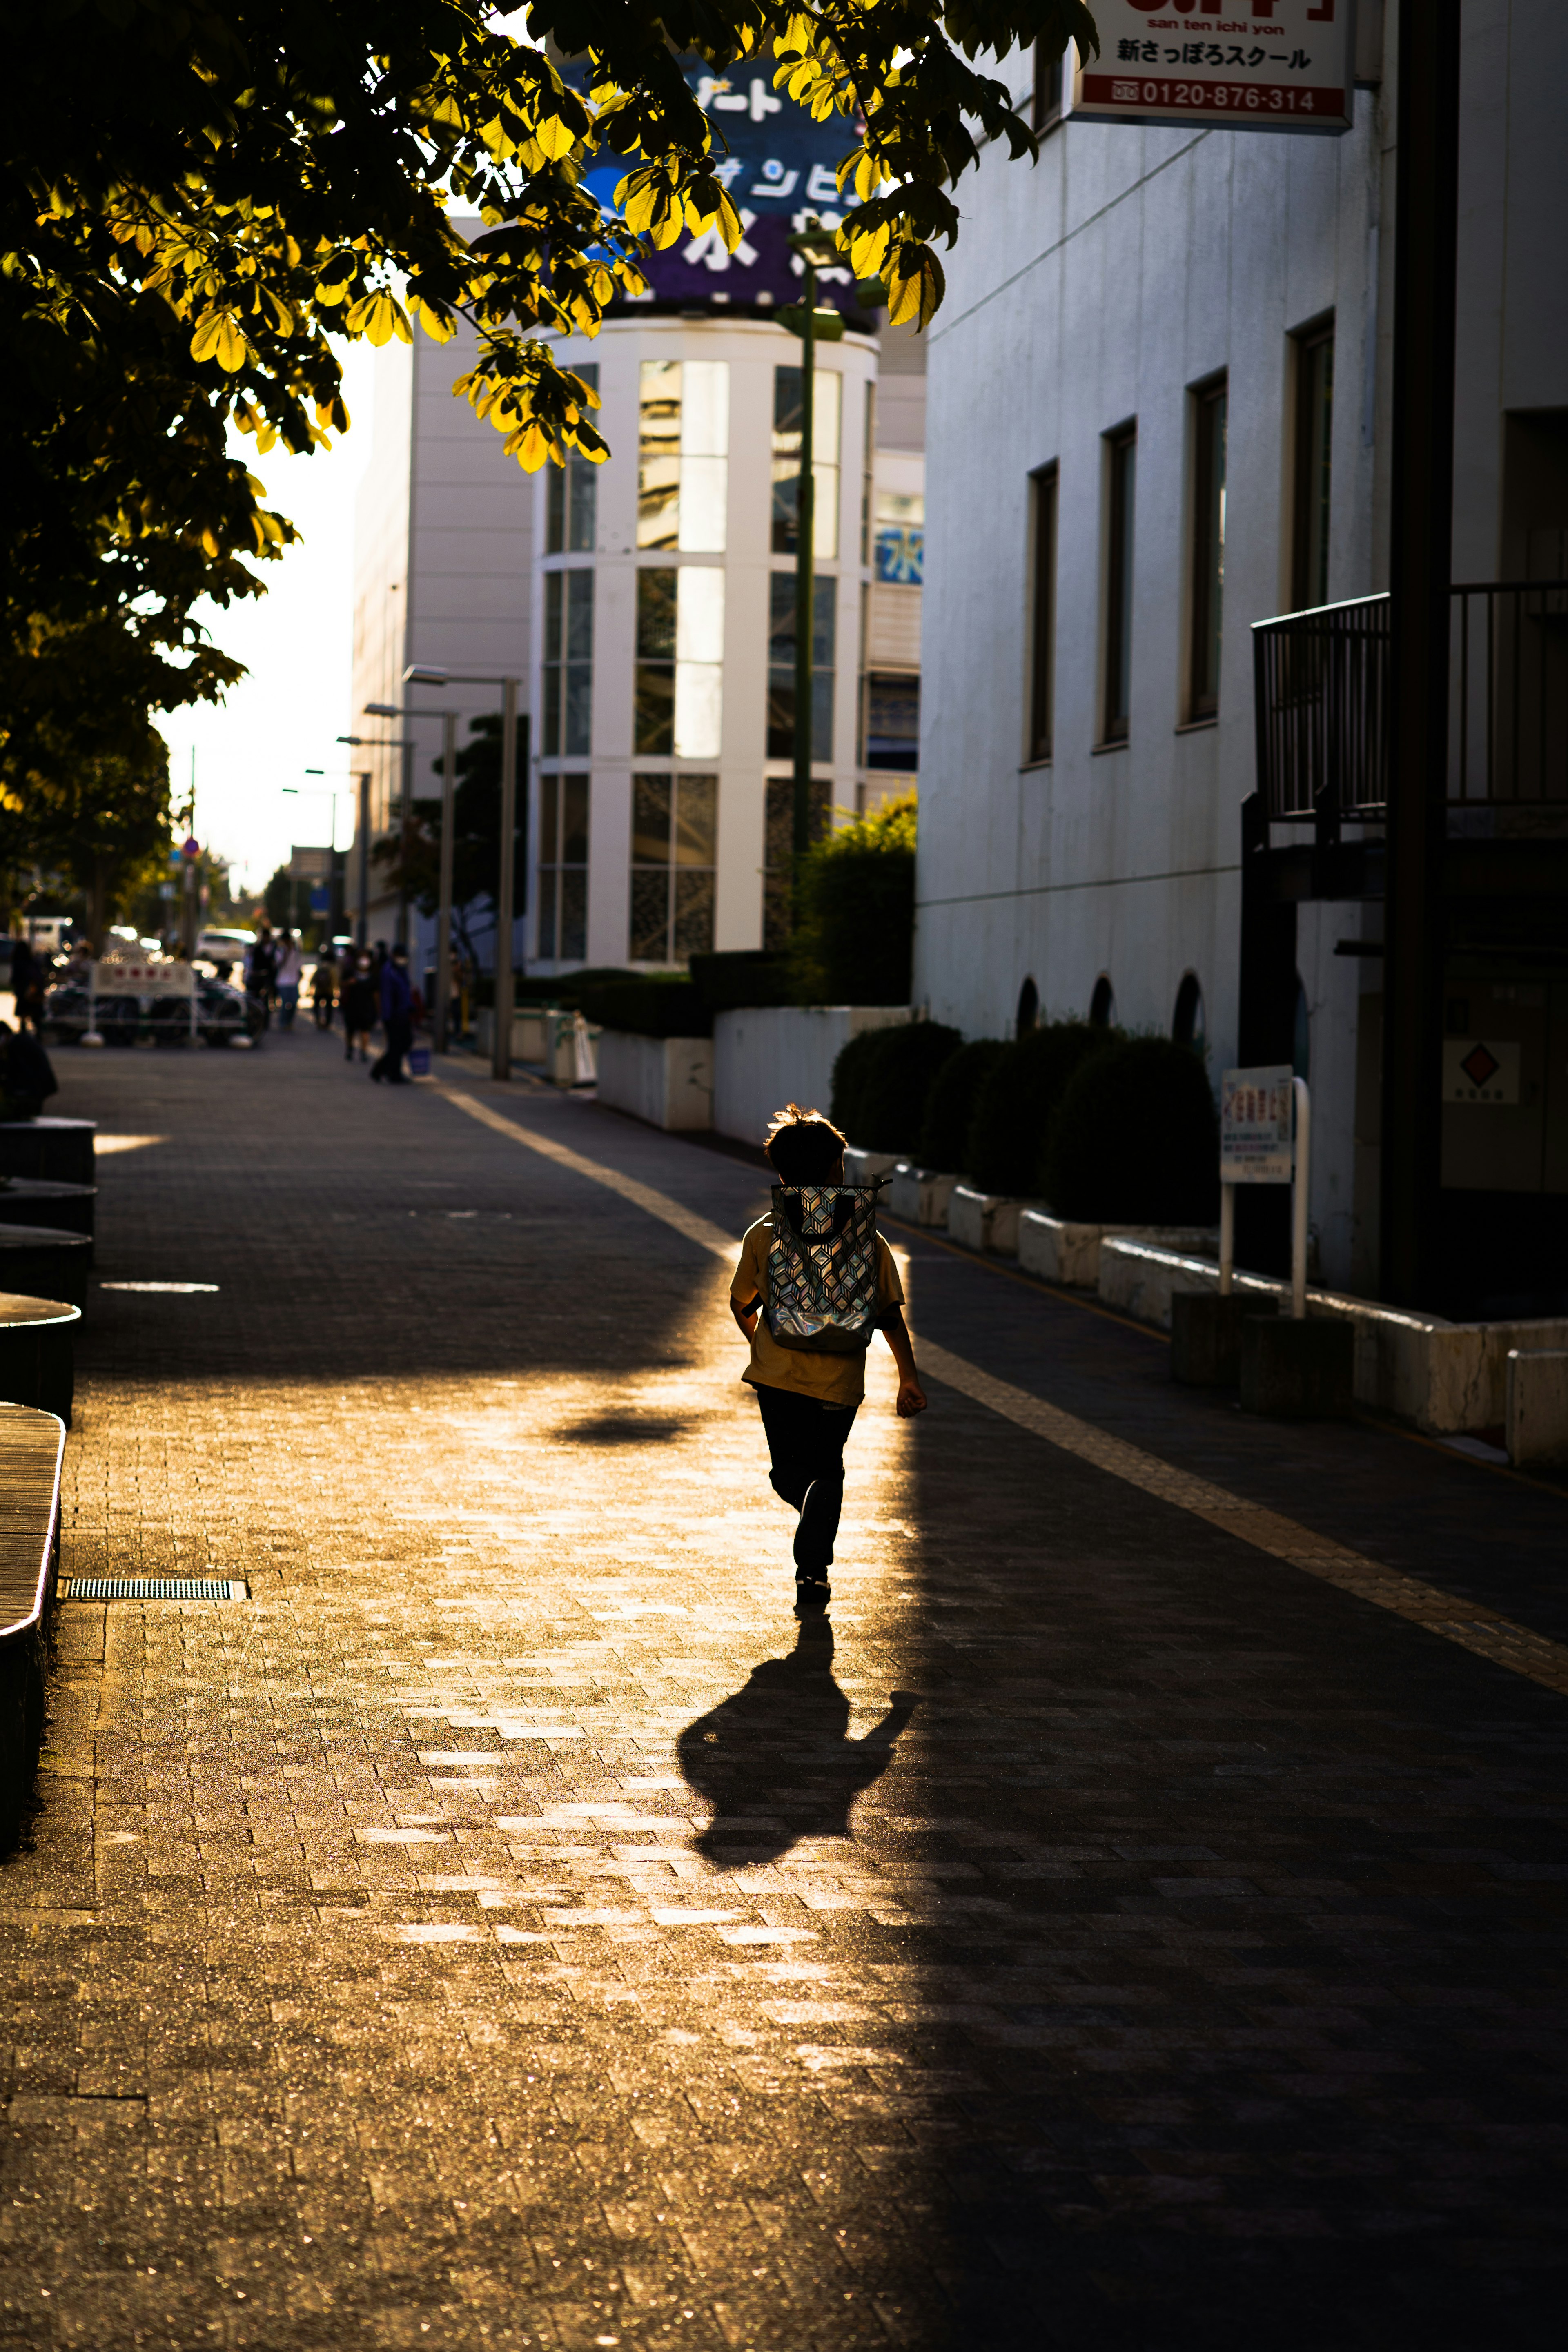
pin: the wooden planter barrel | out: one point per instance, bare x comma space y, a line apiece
37, 1353
42, 1263
67, 1208
31, 1444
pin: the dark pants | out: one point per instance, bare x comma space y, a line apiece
399, 1030
805, 1443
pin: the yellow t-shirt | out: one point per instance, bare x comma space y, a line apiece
832, 1379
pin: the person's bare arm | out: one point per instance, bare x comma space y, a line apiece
911, 1397
746, 1317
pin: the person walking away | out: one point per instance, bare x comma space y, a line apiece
396, 1018
324, 988
359, 1008
290, 972
815, 1281
26, 984
261, 972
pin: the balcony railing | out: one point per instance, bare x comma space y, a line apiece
1321, 681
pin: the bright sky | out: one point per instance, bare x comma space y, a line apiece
297, 645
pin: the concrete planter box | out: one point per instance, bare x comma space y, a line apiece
767, 1055
529, 1027
1206, 1335
864, 1167
985, 1221
1443, 1377
918, 1196
1297, 1371
1061, 1250
1537, 1405
668, 1081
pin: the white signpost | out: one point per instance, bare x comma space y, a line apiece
1251, 65
1265, 1138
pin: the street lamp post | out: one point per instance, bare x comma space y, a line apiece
442, 1005
817, 251
428, 674
362, 834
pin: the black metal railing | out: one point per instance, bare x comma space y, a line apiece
1321, 681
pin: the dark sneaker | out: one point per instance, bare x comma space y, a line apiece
813, 1536
812, 1592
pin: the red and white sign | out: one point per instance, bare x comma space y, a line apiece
1251, 65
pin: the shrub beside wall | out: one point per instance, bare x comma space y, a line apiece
1017, 1103
950, 1107
850, 1071
857, 891
895, 1082
1136, 1139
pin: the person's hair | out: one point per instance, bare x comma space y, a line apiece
804, 1148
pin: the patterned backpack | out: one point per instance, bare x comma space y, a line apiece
821, 1267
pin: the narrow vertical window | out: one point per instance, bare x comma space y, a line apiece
1205, 589
781, 666
1042, 612
572, 501
827, 384
683, 455
678, 704
675, 848
1314, 350
1121, 463
562, 868
1047, 101
568, 663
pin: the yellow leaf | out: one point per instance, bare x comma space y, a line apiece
555, 137
441, 330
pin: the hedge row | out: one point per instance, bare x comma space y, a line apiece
1107, 1127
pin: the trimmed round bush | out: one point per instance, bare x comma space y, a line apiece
1136, 1141
849, 1074
896, 1079
1014, 1108
950, 1107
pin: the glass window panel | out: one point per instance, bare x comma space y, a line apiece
573, 820
548, 880
578, 731
697, 821
582, 490
825, 511
827, 388
650, 915
579, 646
552, 603
659, 454
693, 915
705, 409
781, 714
551, 743
549, 803
573, 914
785, 500
1121, 463
824, 622
1314, 424
653, 715
781, 617
786, 411
699, 710
650, 820
1206, 585
704, 489
827, 403
700, 614
556, 511
1043, 616
656, 615
821, 715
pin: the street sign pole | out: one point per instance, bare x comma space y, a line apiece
362, 926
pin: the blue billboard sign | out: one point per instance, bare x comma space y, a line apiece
779, 169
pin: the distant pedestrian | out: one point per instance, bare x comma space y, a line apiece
396, 1018
360, 1007
324, 988
815, 1280
261, 972
26, 984
286, 976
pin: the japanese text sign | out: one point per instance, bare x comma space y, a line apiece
1255, 1111
1251, 65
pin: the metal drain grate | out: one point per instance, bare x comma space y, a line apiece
157, 1588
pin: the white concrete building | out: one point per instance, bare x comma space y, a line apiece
1159, 394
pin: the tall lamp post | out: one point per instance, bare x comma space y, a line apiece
362, 834
372, 744
429, 674
444, 908
817, 251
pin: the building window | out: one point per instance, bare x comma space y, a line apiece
781, 666
778, 852
563, 869
568, 663
572, 494
1314, 362
1029, 1010
892, 721
1043, 612
1102, 1003
1188, 1026
827, 386
679, 688
675, 837
683, 455
1046, 106
1121, 470
1205, 587
901, 538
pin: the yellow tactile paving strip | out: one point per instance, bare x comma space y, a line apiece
1473, 1628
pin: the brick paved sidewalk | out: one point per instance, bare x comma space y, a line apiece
458, 1942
